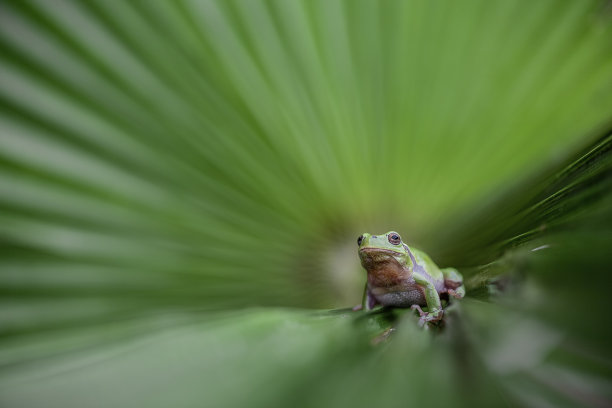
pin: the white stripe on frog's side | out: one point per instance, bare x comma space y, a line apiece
439, 285
415, 266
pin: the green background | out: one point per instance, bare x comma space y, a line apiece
182, 185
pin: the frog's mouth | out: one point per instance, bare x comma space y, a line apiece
370, 251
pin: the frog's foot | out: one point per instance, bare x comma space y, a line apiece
458, 293
433, 316
357, 308
452, 278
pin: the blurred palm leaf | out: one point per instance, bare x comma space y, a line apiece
165, 164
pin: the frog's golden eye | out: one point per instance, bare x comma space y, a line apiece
360, 240
394, 238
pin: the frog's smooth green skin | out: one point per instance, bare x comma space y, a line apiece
401, 276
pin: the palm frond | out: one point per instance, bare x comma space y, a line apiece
181, 185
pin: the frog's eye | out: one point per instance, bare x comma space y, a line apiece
394, 238
360, 240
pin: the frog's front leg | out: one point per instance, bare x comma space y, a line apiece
367, 302
432, 298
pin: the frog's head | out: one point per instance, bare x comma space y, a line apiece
382, 252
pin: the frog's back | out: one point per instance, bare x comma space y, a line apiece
430, 267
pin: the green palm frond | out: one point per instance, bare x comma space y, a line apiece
182, 183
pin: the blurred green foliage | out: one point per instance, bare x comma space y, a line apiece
182, 184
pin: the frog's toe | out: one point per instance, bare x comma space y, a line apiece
418, 308
450, 292
458, 293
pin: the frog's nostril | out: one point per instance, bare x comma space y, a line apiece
373, 236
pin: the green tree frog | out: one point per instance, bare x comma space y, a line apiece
401, 276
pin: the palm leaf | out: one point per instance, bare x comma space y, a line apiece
182, 183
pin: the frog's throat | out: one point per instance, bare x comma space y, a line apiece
415, 266
374, 258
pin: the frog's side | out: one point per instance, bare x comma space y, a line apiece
401, 276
